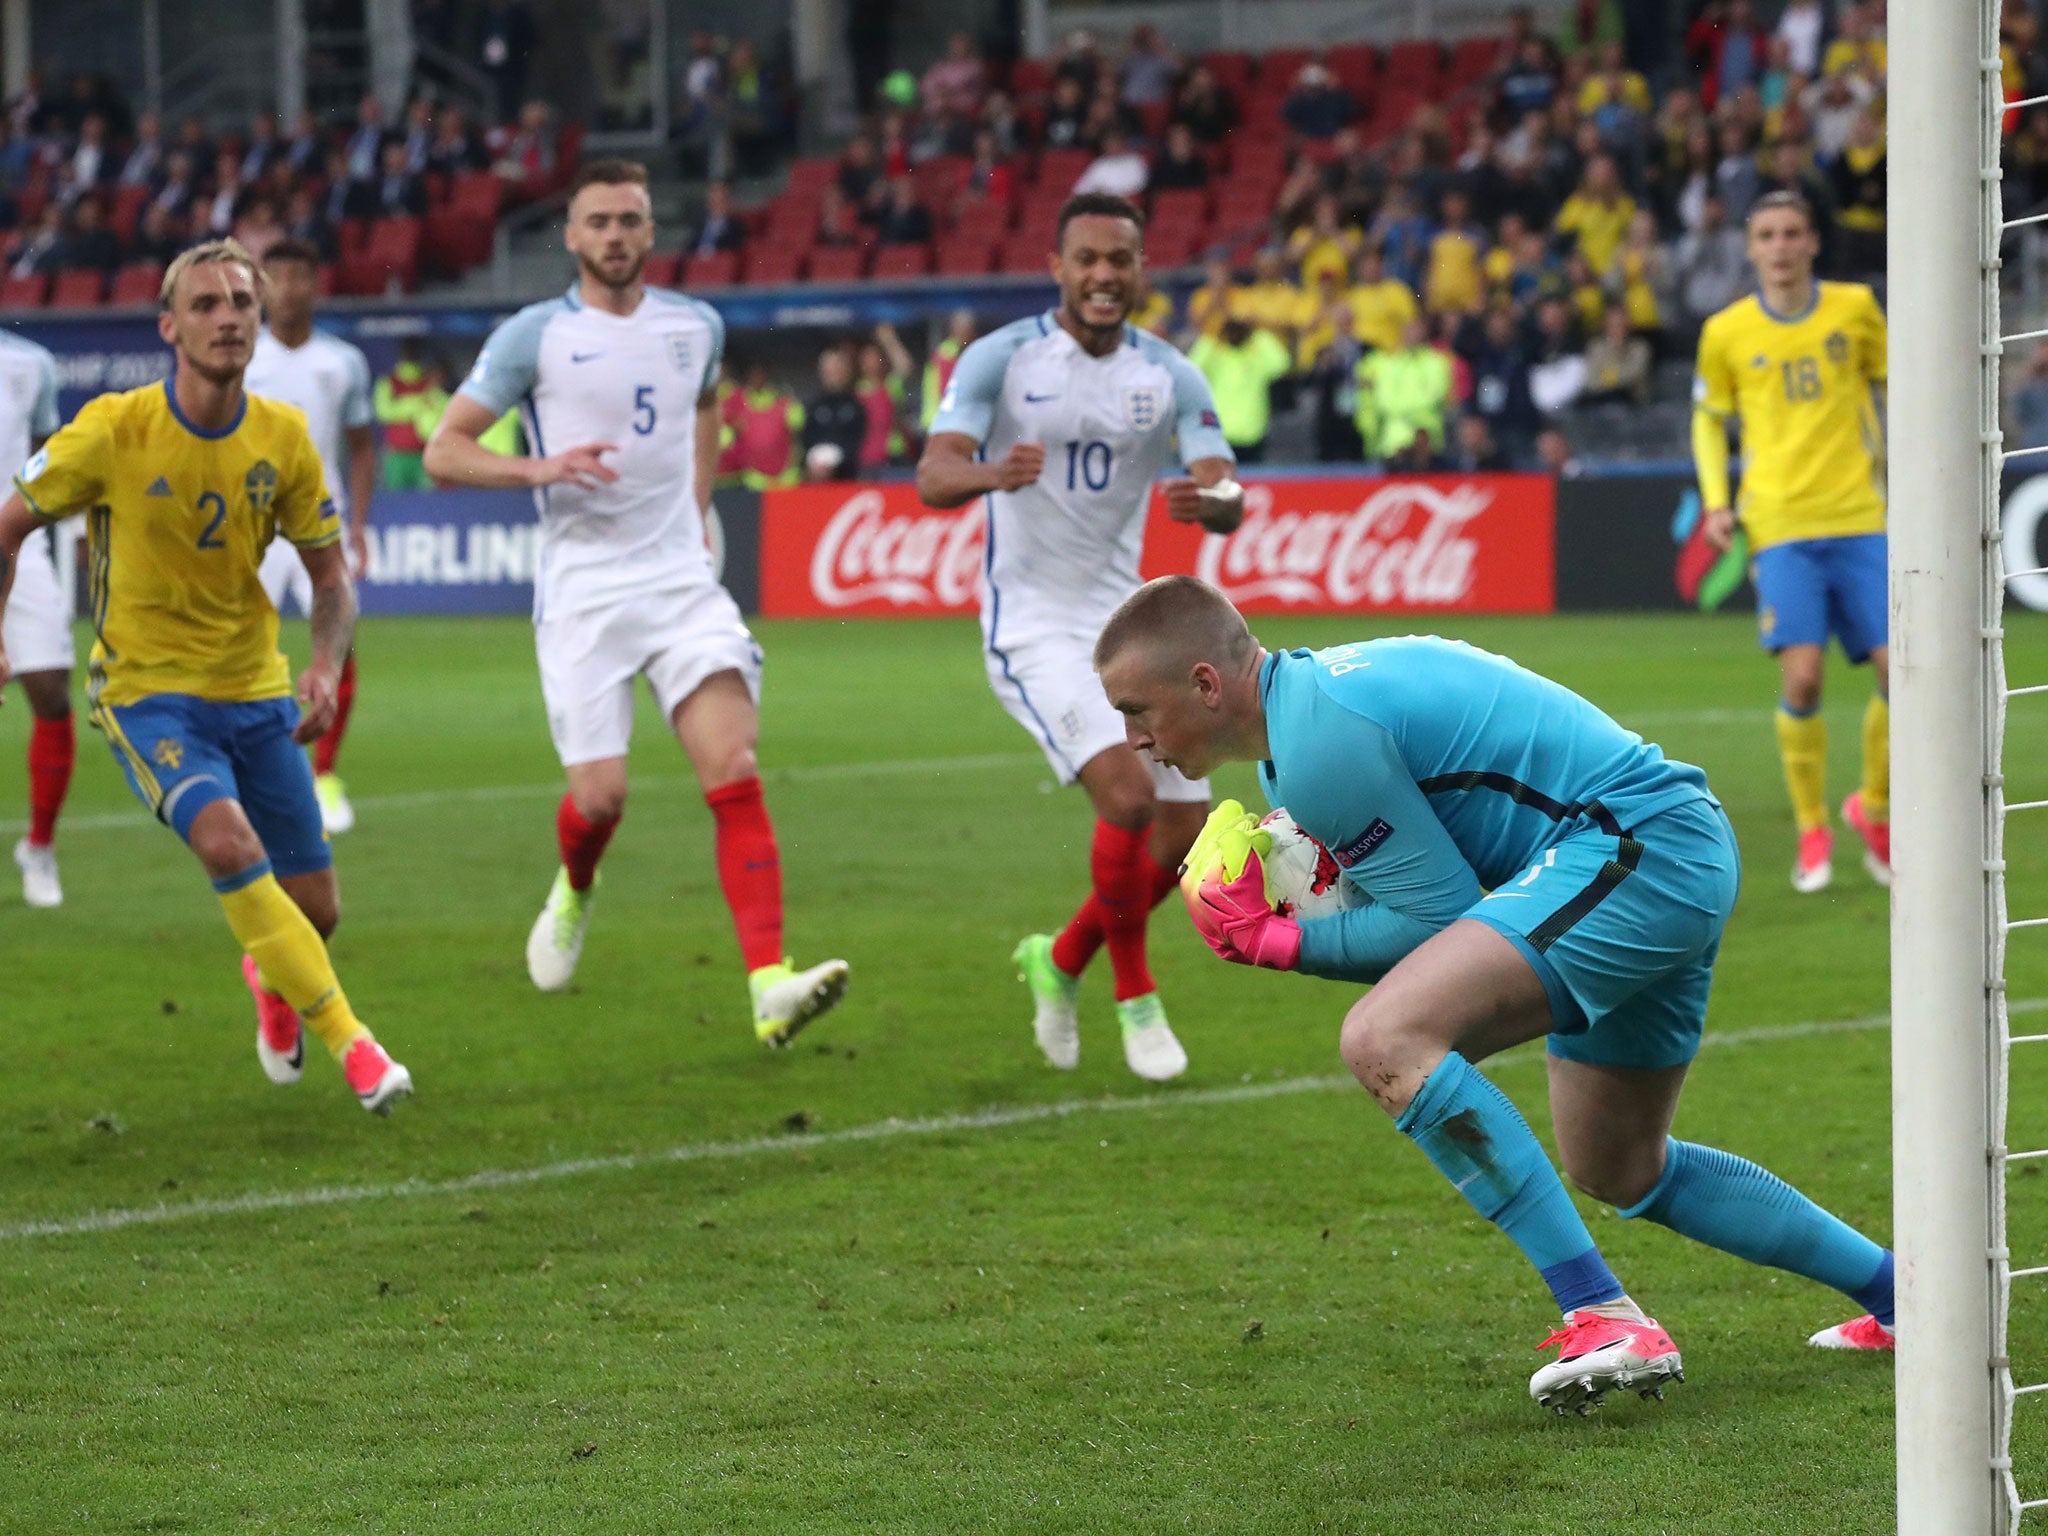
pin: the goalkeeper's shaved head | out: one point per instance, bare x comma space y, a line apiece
1174, 622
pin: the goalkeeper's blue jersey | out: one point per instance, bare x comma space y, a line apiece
1435, 771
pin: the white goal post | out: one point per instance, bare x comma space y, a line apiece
1949, 1039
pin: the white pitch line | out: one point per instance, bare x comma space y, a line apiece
881, 1130
801, 773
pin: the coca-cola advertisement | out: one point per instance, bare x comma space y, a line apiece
1413, 545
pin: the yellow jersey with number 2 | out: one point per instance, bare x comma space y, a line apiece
178, 521
1812, 446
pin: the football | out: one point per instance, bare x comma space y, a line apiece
1302, 877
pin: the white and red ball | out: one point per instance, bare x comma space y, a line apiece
1303, 878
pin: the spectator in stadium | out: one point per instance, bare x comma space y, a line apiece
1473, 450
766, 422
757, 121
999, 119
720, 230
834, 417
1528, 82
259, 228
225, 201
1617, 363
27, 109
455, 149
1643, 276
1354, 176
1589, 25
1242, 363
1726, 48
2026, 164
1079, 59
1452, 282
1801, 26
1181, 165
398, 193
1066, 115
1203, 108
1403, 392
859, 172
839, 221
1500, 382
527, 160
1327, 243
990, 177
1151, 310
418, 136
1381, 305
408, 402
365, 146
179, 190
1210, 305
307, 150
1332, 387
1598, 214
1554, 455
1857, 190
504, 45
90, 164
39, 251
1832, 106
1317, 107
955, 82
90, 246
1858, 48
160, 235
1145, 77
144, 163
1790, 169
1710, 263
938, 368
265, 147
1118, 168
302, 221
883, 367
1106, 115
1738, 179
1557, 367
1270, 301
904, 220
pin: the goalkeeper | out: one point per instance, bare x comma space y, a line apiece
1535, 870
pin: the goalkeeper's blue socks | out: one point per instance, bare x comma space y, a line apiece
1728, 1202
1479, 1141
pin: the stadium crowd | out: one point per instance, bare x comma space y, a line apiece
103, 196
1444, 254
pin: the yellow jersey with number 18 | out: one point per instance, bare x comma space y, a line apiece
1812, 446
178, 520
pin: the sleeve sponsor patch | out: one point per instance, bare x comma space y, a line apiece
1362, 846
1209, 419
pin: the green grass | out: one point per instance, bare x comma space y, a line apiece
1202, 1312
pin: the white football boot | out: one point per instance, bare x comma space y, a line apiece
556, 942
39, 884
1150, 1047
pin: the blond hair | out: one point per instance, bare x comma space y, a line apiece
212, 253
1174, 620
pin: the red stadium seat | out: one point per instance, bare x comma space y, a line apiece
1152, 117
23, 292
811, 177
1025, 251
717, 270
772, 265
329, 280
78, 290
1414, 67
1475, 58
966, 255
1240, 205
137, 283
478, 192
983, 219
1279, 66
394, 245
1179, 209
1173, 247
1356, 66
1059, 169
938, 181
902, 262
568, 154
352, 235
127, 212
838, 263
1030, 77
661, 269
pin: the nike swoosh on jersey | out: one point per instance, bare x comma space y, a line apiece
1507, 896
1031, 399
584, 357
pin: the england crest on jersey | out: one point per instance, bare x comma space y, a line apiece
681, 353
1141, 406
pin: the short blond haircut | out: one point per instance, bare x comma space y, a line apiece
1173, 621
212, 253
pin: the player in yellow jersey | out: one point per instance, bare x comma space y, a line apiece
184, 483
1801, 364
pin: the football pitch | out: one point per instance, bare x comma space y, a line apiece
618, 1269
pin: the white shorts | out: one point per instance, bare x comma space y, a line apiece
283, 575
1050, 688
675, 639
38, 627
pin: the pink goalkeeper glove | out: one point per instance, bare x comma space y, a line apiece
1235, 919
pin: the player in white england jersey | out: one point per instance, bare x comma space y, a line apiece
1063, 422
36, 634
329, 380
615, 383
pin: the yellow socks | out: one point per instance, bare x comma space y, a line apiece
1803, 744
1877, 759
289, 954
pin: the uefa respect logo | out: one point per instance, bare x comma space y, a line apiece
1706, 577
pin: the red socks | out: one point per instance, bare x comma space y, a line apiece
582, 842
1123, 883
1077, 943
52, 749
750, 870
328, 747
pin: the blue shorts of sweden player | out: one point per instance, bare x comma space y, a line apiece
182, 753
1810, 589
1623, 927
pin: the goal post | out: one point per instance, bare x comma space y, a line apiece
1948, 701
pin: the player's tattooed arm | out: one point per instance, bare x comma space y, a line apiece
949, 475
334, 631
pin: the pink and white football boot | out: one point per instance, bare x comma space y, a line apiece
1604, 1354
1862, 1333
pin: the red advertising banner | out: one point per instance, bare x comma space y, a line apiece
1413, 545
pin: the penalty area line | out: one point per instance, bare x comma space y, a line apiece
992, 1119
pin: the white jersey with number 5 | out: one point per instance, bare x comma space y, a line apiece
579, 375
1063, 552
